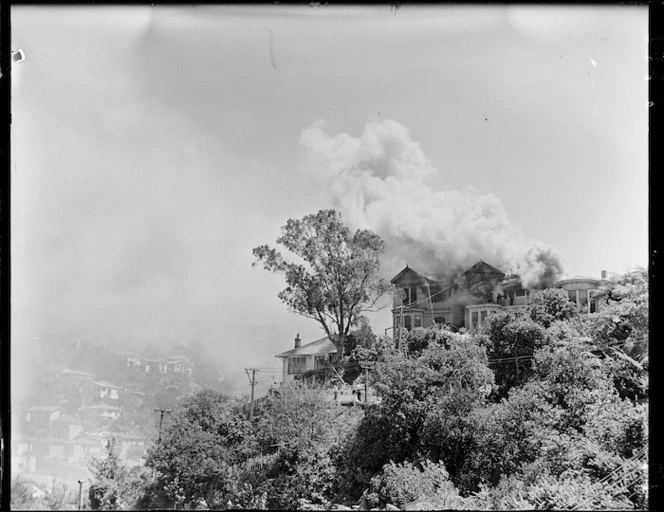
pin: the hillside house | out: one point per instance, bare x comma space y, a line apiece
302, 358
83, 447
179, 365
43, 417
154, 365
100, 412
107, 390
66, 427
584, 291
468, 299
22, 456
426, 298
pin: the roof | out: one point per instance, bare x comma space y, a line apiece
76, 372
105, 383
322, 346
101, 406
425, 276
47, 408
443, 278
485, 266
581, 278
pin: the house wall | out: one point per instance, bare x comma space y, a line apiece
309, 365
578, 291
440, 301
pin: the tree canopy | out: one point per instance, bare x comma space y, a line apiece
457, 425
335, 276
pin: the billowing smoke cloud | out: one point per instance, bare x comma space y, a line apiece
380, 181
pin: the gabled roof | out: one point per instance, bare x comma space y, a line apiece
483, 266
100, 407
424, 276
106, 384
442, 278
322, 346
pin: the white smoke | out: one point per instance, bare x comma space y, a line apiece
379, 181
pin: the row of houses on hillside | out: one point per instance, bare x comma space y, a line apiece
43, 455
173, 364
466, 301
54, 418
47, 440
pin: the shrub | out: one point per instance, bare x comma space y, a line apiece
407, 484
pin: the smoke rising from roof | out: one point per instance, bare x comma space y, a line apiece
382, 181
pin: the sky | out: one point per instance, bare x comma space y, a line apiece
154, 147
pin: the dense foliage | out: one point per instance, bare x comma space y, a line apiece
541, 410
335, 275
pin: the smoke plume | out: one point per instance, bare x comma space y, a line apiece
381, 181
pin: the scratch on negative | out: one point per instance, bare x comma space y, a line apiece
274, 64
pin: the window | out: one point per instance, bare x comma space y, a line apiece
296, 364
410, 295
407, 322
436, 294
473, 319
572, 295
418, 320
439, 320
483, 317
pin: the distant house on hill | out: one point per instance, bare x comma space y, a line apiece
100, 412
154, 365
179, 364
307, 357
107, 390
23, 457
43, 417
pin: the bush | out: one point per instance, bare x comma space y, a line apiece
406, 484
551, 305
548, 493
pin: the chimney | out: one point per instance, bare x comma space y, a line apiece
297, 340
603, 274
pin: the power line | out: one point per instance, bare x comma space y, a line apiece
611, 480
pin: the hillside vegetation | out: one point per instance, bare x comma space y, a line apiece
543, 410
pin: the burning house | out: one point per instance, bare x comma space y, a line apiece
468, 298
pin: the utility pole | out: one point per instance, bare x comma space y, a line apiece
80, 493
516, 365
400, 326
252, 381
161, 419
161, 422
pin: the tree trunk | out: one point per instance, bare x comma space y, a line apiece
339, 341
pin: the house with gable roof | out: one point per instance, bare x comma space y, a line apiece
438, 298
302, 358
467, 299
